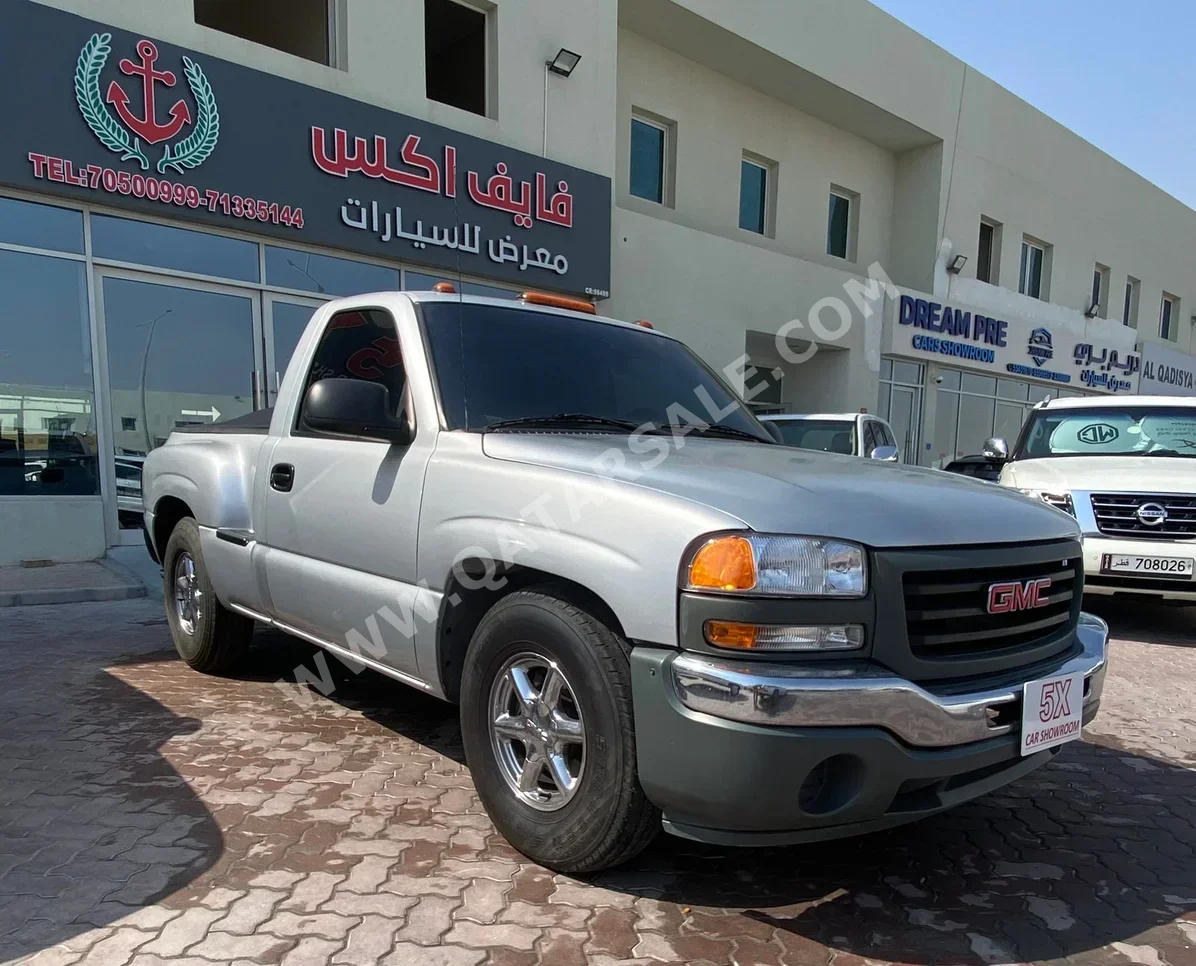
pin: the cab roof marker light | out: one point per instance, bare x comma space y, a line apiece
558, 302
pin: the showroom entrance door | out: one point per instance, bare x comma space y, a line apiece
176, 354
286, 319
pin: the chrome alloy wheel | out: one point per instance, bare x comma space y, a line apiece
537, 732
188, 598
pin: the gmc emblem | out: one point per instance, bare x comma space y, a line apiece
1009, 598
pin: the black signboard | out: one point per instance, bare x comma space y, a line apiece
104, 115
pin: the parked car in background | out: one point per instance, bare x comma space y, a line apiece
851, 434
749, 644
128, 490
1125, 468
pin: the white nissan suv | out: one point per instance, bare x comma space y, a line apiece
1125, 468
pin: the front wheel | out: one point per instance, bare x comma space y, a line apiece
546, 718
207, 635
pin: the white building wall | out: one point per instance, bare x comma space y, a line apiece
385, 65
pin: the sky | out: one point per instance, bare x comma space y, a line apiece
1120, 73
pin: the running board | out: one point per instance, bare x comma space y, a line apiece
347, 656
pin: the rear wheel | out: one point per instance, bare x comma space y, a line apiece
547, 723
208, 636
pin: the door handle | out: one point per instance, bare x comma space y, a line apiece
282, 477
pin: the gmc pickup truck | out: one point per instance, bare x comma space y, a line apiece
648, 611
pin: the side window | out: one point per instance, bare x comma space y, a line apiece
886, 435
870, 440
360, 344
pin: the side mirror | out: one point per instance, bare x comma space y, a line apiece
887, 453
353, 407
996, 448
773, 430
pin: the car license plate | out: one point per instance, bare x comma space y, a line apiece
1052, 712
1179, 568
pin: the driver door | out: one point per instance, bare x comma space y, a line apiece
341, 514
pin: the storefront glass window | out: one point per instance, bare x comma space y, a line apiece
47, 402
1012, 389
181, 249
975, 422
986, 385
326, 275
946, 424
177, 357
970, 408
41, 226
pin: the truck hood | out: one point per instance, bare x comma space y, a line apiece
1134, 474
780, 489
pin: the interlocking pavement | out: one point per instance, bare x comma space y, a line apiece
149, 814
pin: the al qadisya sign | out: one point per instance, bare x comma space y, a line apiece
957, 336
127, 121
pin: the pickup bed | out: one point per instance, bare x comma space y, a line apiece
649, 612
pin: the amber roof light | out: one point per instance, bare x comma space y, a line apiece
558, 302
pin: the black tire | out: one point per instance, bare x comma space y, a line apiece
608, 820
219, 638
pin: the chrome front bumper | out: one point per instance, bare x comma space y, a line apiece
843, 696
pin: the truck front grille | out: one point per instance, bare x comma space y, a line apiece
1117, 515
948, 616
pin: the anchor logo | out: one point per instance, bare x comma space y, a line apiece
190, 152
148, 127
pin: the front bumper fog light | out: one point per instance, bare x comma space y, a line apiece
780, 637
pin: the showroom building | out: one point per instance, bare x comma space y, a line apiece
184, 182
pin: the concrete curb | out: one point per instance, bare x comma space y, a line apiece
131, 588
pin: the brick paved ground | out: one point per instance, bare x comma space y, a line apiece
148, 814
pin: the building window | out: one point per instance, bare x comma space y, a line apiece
305, 28
650, 147
988, 252
842, 218
756, 195
456, 63
1033, 268
47, 404
1168, 316
128, 424
1129, 309
1098, 298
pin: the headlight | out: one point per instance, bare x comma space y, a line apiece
1060, 500
779, 566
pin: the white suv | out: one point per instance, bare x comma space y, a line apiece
851, 434
1126, 469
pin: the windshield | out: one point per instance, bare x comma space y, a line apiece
826, 435
496, 364
1110, 431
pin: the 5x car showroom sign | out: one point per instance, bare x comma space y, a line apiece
125, 120
965, 337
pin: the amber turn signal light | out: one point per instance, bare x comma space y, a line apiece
725, 563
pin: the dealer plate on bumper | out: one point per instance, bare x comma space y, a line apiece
1052, 712
1179, 568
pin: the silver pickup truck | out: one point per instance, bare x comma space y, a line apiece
648, 611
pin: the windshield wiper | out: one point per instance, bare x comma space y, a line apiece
562, 419
718, 429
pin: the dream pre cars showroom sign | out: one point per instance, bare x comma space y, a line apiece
928, 329
129, 121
